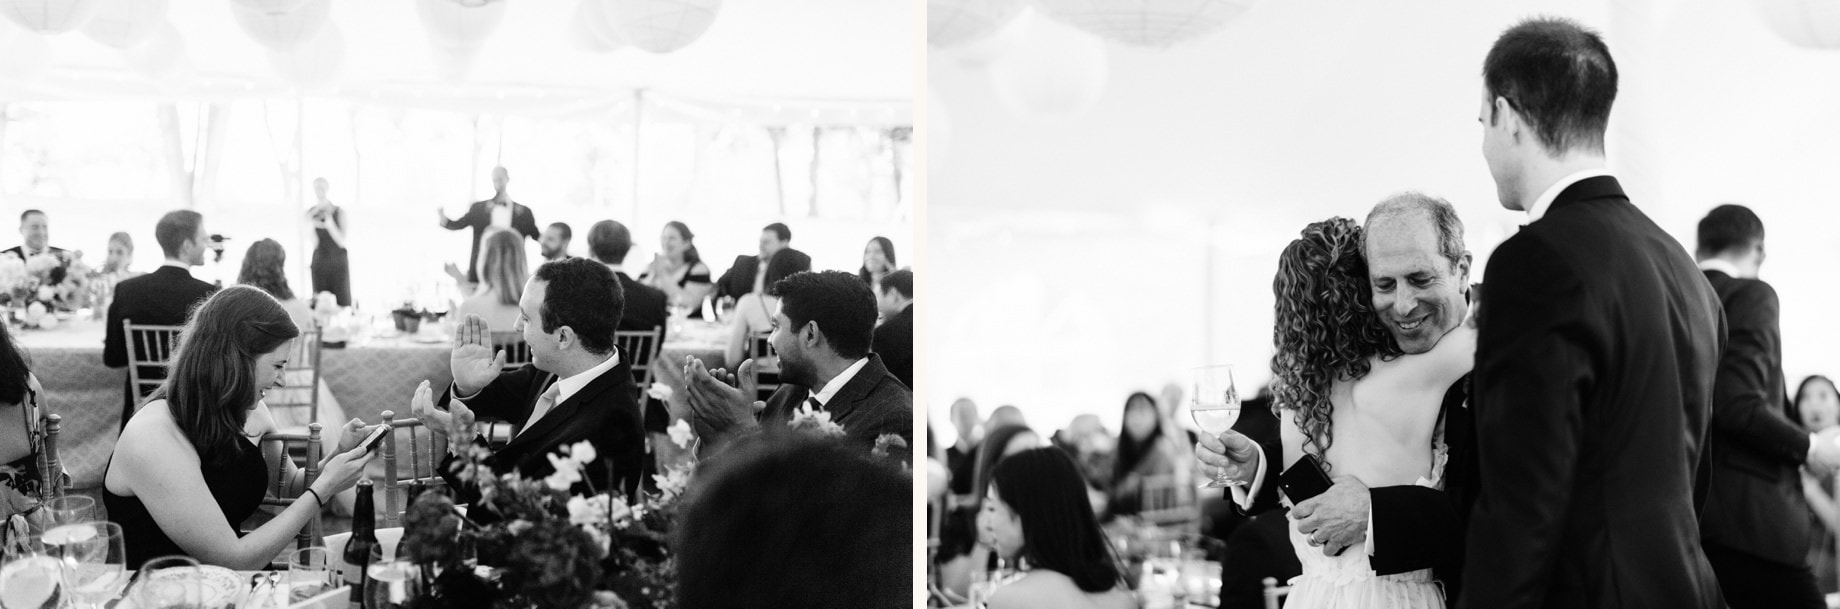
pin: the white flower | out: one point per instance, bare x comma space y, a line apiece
620, 511
46, 292
588, 510
43, 263
660, 392
566, 475
806, 419
681, 434
35, 311
582, 452
673, 481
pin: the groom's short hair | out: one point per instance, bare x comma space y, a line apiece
1559, 76
1442, 214
1728, 227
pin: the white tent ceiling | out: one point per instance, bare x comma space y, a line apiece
838, 57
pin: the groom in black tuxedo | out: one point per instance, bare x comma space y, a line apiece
497, 212
1596, 353
1419, 271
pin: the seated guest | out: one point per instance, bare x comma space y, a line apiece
1006, 415
754, 312
796, 522
264, 268
878, 260
1035, 514
35, 229
609, 242
960, 557
501, 280
1817, 408
555, 242
748, 273
161, 298
678, 270
1147, 471
1259, 549
963, 452
821, 333
894, 339
19, 419
577, 386
113, 270
189, 468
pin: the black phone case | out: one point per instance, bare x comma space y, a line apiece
1305, 479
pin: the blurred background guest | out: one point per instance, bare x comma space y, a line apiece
114, 269
498, 212
748, 273
1147, 472
894, 338
961, 456
35, 231
19, 418
963, 548
878, 260
1817, 408
679, 270
1034, 514
608, 242
162, 297
754, 310
1006, 415
555, 242
331, 263
1092, 448
264, 268
501, 281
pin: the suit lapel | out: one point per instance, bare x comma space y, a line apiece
1587, 189
857, 390
564, 412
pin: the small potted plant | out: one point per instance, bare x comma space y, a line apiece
408, 318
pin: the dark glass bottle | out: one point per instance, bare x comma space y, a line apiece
362, 550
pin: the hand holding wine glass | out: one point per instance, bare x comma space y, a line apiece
1215, 408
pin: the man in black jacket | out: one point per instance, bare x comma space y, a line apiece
1755, 524
747, 273
161, 298
894, 339
498, 212
577, 387
821, 332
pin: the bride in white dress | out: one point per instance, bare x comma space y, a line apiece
1348, 395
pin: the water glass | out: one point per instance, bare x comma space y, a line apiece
392, 585
70, 509
94, 561
309, 573
168, 582
29, 580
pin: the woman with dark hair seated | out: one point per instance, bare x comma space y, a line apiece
19, 420
189, 467
1037, 516
961, 550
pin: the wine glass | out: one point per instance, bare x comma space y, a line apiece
168, 582
391, 585
71, 509
1215, 407
29, 580
309, 573
94, 560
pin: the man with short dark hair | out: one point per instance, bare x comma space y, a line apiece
496, 213
646, 307
821, 331
161, 298
1597, 345
577, 387
894, 339
35, 230
555, 242
748, 272
1755, 526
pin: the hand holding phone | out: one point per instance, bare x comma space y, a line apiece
1305, 479
371, 442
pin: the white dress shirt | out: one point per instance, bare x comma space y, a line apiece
823, 396
501, 215
562, 389
1552, 192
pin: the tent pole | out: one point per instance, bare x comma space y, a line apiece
638, 124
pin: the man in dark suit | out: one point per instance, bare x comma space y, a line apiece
1755, 524
1418, 270
748, 272
646, 308
162, 298
35, 229
577, 387
1596, 351
497, 212
821, 332
894, 339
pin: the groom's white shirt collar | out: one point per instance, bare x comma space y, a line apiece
1552, 192
1720, 265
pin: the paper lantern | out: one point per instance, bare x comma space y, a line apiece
950, 23
49, 16
313, 66
125, 23
272, 6
661, 26
980, 53
162, 57
938, 131
591, 29
1147, 23
460, 23
1813, 24
1057, 72
24, 55
282, 30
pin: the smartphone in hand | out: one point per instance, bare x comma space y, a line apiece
371, 442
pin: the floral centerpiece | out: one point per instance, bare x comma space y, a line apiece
34, 287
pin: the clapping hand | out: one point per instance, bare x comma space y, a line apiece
456, 424
720, 402
474, 365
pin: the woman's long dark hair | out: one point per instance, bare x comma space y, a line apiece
211, 384
683, 230
988, 453
14, 372
262, 268
887, 251
1044, 489
1130, 450
1325, 327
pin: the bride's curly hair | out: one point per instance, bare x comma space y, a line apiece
1325, 327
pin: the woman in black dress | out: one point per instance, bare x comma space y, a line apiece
189, 467
331, 268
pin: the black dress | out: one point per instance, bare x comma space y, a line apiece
331, 268
238, 488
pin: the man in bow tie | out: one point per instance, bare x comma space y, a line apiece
821, 331
35, 228
496, 213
